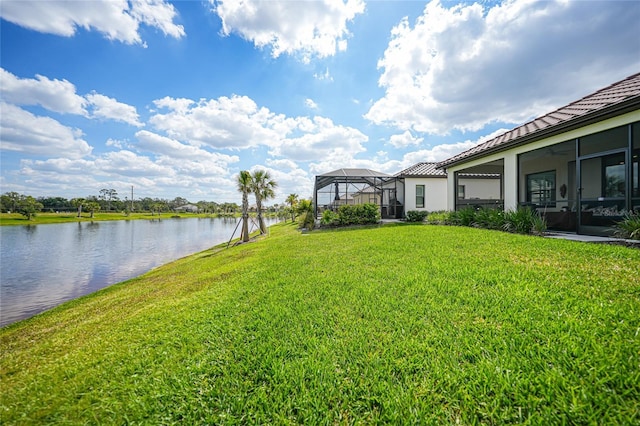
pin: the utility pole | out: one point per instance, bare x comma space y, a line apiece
131, 198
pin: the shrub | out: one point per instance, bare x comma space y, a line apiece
524, 220
329, 218
439, 218
360, 214
489, 219
307, 218
416, 215
629, 227
465, 216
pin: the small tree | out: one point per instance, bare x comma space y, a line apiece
92, 206
28, 206
78, 203
305, 210
262, 187
292, 199
244, 186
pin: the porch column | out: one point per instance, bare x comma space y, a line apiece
510, 182
452, 190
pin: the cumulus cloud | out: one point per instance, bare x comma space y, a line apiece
404, 140
443, 151
25, 132
310, 29
294, 180
321, 138
116, 19
310, 103
55, 95
127, 163
233, 123
238, 123
60, 96
185, 159
465, 66
105, 107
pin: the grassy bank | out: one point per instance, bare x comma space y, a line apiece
48, 218
396, 324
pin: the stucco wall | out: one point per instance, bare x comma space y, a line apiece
435, 193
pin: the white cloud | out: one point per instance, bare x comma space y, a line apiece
443, 151
116, 19
232, 123
60, 96
109, 108
238, 123
323, 76
321, 138
465, 66
404, 140
313, 28
27, 133
54, 95
310, 103
127, 163
291, 181
185, 159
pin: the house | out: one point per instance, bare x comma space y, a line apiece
578, 166
187, 208
425, 188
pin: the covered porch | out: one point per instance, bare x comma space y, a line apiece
583, 184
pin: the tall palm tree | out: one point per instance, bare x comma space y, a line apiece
244, 183
292, 199
263, 189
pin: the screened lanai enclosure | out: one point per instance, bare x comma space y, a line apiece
359, 186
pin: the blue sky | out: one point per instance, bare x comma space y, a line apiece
175, 98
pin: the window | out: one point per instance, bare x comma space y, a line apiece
419, 196
614, 179
461, 192
541, 189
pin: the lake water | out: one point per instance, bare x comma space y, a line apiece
45, 265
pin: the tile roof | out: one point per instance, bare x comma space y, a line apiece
615, 99
422, 170
355, 173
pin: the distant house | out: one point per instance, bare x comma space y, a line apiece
187, 208
425, 188
578, 165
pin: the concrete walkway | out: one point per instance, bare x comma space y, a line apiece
591, 238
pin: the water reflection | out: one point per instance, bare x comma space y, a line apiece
45, 265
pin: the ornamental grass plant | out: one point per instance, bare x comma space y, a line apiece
393, 324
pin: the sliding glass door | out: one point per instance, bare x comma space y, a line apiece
604, 180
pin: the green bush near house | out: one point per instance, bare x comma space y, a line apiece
521, 221
629, 227
359, 214
416, 215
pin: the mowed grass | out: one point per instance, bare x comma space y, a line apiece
394, 324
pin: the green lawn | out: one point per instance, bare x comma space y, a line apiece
396, 324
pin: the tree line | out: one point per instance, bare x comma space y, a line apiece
107, 200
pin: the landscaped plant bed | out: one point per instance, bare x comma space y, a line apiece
391, 324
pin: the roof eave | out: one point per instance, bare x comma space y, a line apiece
624, 107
